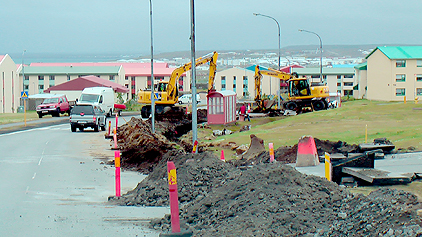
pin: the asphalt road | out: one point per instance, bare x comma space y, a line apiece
55, 183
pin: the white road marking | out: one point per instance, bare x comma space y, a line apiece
34, 129
27, 188
35, 174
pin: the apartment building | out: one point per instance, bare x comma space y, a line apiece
239, 80
10, 91
394, 73
339, 79
135, 75
38, 79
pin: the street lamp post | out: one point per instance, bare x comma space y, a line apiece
278, 25
23, 70
193, 60
320, 49
152, 73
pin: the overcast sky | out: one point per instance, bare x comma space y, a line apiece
103, 26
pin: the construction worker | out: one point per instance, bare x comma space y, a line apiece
244, 113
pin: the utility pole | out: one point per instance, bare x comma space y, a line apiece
194, 105
152, 73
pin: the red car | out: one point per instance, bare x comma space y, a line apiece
54, 105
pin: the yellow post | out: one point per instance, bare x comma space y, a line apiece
24, 110
405, 99
366, 133
416, 100
328, 166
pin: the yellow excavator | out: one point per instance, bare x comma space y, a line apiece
166, 92
300, 92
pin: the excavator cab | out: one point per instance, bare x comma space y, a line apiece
299, 87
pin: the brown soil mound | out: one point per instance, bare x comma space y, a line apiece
141, 149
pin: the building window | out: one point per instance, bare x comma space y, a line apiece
26, 87
338, 76
418, 91
338, 84
400, 92
223, 87
348, 93
126, 78
26, 78
223, 80
348, 84
40, 78
52, 78
418, 77
400, 77
68, 77
348, 76
314, 76
234, 82
111, 77
245, 79
401, 63
418, 63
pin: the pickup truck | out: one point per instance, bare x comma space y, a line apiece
85, 115
54, 105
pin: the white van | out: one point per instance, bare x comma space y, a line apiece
99, 96
185, 99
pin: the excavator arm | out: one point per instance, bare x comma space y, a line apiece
264, 105
171, 88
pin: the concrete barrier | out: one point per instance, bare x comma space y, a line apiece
306, 152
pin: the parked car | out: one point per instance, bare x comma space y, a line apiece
184, 99
84, 116
55, 105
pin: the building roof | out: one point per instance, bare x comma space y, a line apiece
81, 83
72, 70
252, 68
224, 93
400, 52
1, 57
362, 66
325, 71
288, 69
131, 68
103, 64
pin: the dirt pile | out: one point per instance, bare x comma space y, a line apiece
287, 154
141, 149
218, 199
334, 147
197, 174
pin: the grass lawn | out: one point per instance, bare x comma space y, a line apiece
396, 121
18, 117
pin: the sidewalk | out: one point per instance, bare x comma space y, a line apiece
44, 122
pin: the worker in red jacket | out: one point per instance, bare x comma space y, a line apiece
243, 112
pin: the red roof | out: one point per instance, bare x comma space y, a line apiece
288, 69
81, 83
1, 57
131, 69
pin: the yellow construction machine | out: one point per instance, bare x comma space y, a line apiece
166, 92
301, 93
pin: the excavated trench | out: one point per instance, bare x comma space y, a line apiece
252, 197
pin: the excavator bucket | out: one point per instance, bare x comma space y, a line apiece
269, 103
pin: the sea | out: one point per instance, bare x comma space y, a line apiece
29, 58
